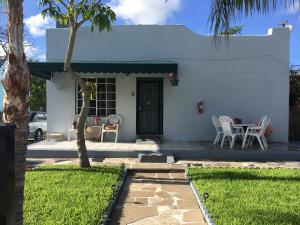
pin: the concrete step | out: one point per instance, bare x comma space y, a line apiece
155, 158
149, 139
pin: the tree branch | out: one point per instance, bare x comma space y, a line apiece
81, 22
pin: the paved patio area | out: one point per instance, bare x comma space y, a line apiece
132, 163
178, 145
181, 150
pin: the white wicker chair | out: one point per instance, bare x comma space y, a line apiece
111, 126
257, 132
218, 128
230, 132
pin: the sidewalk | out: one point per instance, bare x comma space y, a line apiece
157, 198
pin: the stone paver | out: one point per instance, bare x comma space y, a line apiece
131, 163
171, 145
156, 198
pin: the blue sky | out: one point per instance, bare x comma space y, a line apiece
192, 13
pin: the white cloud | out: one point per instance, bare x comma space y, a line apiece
30, 52
42, 57
37, 25
145, 11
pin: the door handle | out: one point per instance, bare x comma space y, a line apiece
140, 108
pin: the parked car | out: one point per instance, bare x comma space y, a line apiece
37, 126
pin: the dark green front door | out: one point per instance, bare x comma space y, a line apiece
149, 106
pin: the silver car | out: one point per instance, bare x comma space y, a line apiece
37, 126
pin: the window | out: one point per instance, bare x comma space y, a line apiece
103, 97
41, 117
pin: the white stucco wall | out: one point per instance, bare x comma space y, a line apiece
246, 79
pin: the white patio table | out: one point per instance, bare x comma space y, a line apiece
245, 125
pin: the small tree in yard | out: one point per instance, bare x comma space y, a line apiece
76, 13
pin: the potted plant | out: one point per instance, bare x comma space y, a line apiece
173, 79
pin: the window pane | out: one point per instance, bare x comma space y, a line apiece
111, 88
79, 103
101, 104
101, 112
101, 88
92, 112
101, 80
111, 96
91, 80
111, 111
111, 80
79, 96
93, 103
101, 96
111, 104
40, 117
78, 110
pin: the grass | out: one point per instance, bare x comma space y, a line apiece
68, 195
250, 196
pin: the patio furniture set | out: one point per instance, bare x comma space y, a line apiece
96, 132
229, 129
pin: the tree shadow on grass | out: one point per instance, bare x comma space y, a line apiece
244, 175
258, 216
267, 217
65, 168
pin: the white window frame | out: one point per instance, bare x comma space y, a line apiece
97, 108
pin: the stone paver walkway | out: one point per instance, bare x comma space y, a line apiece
157, 198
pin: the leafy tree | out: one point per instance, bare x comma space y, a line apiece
4, 43
232, 30
37, 97
16, 85
37, 100
76, 13
294, 88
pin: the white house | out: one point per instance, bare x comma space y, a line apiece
247, 78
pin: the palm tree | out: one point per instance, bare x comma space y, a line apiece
225, 11
16, 84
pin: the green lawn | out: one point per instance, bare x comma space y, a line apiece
67, 195
250, 196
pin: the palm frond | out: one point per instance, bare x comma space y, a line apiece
224, 12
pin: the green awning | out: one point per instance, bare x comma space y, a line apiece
45, 69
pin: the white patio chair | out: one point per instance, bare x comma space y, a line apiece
218, 128
72, 133
229, 119
111, 126
230, 132
257, 132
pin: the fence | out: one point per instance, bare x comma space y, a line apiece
294, 129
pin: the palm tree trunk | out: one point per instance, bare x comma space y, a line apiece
16, 84
81, 147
